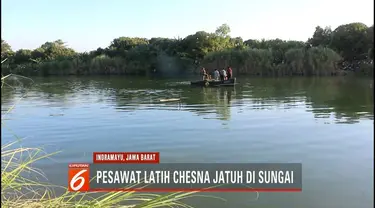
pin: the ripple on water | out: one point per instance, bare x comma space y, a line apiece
259, 122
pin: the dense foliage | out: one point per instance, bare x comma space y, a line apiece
323, 54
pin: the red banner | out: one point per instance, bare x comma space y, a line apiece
126, 157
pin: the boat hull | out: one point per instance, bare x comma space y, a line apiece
214, 83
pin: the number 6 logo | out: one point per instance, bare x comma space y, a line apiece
78, 178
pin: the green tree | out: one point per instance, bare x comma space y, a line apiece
22, 56
53, 50
321, 37
370, 40
6, 50
237, 42
196, 46
170, 46
223, 30
38, 54
121, 45
252, 43
350, 40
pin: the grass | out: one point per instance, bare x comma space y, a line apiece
316, 61
19, 191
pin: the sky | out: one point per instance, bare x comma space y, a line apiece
88, 24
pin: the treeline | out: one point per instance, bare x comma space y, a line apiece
349, 47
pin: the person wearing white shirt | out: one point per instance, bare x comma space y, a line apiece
224, 74
216, 74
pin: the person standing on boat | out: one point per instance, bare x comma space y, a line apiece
216, 74
229, 72
204, 73
223, 74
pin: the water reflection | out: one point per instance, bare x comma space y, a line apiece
345, 100
216, 101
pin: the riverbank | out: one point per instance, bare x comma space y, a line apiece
320, 55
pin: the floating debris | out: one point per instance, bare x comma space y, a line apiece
170, 100
56, 114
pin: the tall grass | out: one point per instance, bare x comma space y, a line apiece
266, 62
18, 190
99, 65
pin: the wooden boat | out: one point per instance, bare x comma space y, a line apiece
214, 83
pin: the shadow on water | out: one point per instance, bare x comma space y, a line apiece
345, 99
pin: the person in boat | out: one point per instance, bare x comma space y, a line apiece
209, 75
229, 73
223, 74
216, 74
204, 73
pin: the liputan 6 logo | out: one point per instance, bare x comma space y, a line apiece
78, 177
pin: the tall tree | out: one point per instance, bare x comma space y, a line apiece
321, 37
350, 40
223, 30
6, 50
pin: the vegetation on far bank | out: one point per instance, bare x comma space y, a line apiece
349, 47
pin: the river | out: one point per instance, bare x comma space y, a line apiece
324, 123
